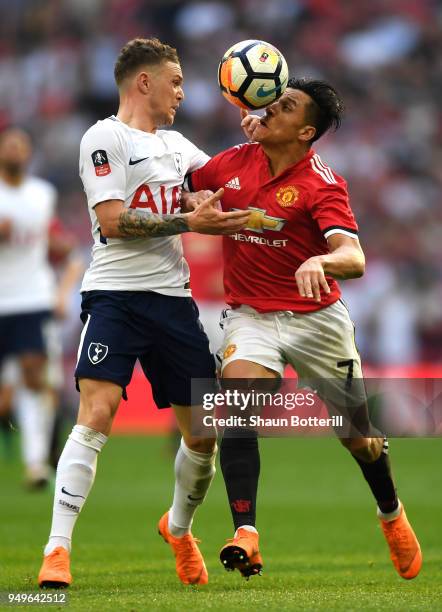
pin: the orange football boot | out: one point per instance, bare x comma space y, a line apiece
242, 553
55, 571
405, 551
190, 565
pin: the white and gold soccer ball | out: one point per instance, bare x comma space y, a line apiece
252, 74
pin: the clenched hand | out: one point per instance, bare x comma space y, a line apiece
310, 278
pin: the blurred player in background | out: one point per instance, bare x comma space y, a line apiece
279, 279
30, 351
136, 298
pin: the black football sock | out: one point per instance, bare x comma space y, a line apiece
240, 464
380, 480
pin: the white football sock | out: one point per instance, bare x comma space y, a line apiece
247, 528
75, 476
193, 474
390, 516
35, 416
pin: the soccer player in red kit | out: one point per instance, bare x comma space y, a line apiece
280, 281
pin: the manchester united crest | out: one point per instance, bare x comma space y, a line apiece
287, 196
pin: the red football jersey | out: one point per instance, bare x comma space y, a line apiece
292, 215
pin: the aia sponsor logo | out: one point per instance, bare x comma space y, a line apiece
165, 202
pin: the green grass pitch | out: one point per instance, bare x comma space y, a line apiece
322, 547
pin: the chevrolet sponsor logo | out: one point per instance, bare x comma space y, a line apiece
278, 244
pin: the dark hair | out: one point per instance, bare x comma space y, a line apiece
325, 110
141, 52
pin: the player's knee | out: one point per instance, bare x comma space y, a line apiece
97, 414
99, 402
99, 419
375, 449
200, 445
365, 449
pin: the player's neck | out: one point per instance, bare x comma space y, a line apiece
282, 158
14, 178
135, 117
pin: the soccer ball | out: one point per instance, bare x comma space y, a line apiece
252, 74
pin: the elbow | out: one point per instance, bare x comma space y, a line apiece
109, 230
359, 269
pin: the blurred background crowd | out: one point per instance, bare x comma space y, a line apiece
384, 56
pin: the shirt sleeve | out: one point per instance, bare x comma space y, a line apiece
197, 157
102, 165
206, 177
331, 210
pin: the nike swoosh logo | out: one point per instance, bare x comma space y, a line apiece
195, 498
63, 490
262, 93
132, 162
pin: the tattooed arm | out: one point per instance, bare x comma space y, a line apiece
119, 222
140, 223
116, 221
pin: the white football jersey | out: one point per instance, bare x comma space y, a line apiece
146, 171
27, 280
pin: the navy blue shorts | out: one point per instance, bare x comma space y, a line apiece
23, 333
162, 331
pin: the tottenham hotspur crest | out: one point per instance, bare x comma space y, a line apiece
178, 159
97, 352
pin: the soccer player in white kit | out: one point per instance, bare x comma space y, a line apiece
136, 298
27, 298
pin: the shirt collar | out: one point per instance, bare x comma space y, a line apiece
293, 169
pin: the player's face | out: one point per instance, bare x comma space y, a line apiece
15, 150
166, 93
285, 120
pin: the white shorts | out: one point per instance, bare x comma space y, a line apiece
319, 345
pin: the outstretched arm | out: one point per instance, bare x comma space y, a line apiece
140, 223
119, 222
